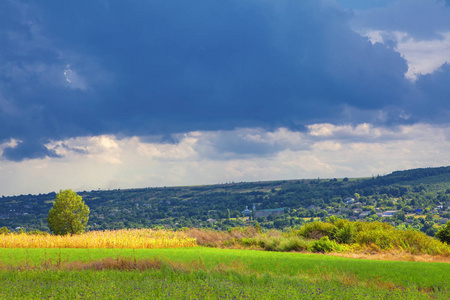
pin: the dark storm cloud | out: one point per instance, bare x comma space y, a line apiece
144, 68
28, 149
434, 86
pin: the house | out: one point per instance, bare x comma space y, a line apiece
313, 207
443, 220
358, 211
349, 200
439, 207
364, 214
389, 213
418, 211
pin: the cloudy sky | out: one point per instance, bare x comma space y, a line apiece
120, 94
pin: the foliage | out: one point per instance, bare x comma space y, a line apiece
218, 207
324, 245
4, 230
316, 230
444, 233
382, 236
345, 234
69, 214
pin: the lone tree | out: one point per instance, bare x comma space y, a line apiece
69, 214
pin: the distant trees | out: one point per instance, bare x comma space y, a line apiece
69, 214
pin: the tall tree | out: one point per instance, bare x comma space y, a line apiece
69, 214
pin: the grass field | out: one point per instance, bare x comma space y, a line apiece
159, 264
208, 273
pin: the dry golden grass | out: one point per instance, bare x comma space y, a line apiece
135, 239
228, 239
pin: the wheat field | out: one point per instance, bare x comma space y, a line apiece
131, 238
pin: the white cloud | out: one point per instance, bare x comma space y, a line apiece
98, 149
418, 29
340, 151
9, 144
180, 151
364, 130
423, 56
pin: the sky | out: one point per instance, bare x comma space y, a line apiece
106, 94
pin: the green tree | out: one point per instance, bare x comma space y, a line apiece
69, 214
444, 233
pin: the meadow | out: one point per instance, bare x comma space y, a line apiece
174, 271
199, 272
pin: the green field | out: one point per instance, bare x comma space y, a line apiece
208, 273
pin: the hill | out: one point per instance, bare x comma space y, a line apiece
411, 197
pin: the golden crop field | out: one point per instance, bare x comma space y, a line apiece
132, 238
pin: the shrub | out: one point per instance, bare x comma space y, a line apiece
269, 244
324, 245
293, 244
316, 230
345, 235
4, 230
380, 234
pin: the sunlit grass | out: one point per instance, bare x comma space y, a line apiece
135, 238
208, 273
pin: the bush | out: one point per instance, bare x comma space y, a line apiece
316, 230
345, 235
344, 231
383, 236
4, 230
324, 245
269, 244
293, 244
380, 234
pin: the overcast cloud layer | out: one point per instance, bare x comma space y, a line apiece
115, 88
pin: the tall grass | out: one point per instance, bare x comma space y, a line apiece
249, 237
136, 239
